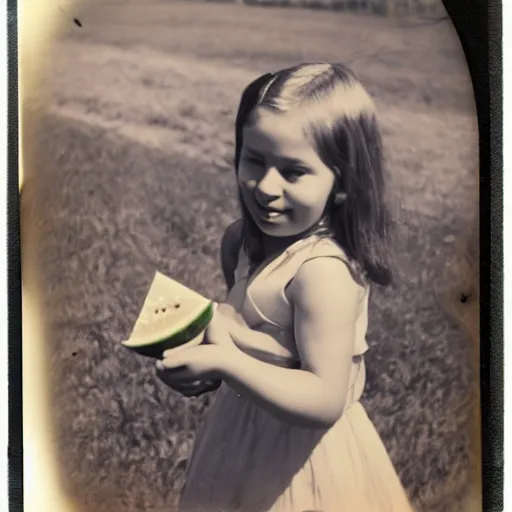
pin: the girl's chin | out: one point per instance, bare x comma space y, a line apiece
278, 229
283, 229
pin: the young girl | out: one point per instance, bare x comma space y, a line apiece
287, 432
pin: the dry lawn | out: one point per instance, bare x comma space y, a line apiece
134, 175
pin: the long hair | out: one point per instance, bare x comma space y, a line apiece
338, 117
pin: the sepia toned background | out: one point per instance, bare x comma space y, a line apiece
129, 171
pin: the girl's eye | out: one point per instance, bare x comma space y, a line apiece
292, 174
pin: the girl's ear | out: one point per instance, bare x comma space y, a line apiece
337, 195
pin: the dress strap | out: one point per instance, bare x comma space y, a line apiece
318, 247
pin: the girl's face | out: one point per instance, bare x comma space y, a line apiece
284, 184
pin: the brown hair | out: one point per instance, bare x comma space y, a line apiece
340, 120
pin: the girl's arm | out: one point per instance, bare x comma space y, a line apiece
325, 300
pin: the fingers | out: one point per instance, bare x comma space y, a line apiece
201, 362
186, 365
176, 359
171, 360
170, 355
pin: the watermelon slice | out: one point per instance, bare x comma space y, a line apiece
172, 316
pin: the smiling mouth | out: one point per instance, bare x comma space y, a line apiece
271, 213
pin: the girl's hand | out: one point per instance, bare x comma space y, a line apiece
191, 364
194, 371
205, 361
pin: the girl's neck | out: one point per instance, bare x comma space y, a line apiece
274, 245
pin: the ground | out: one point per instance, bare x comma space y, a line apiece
133, 174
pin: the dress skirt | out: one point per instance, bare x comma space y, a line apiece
246, 460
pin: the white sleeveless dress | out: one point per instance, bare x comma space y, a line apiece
246, 460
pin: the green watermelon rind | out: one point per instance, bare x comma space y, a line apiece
156, 348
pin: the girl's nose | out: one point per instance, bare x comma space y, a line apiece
269, 187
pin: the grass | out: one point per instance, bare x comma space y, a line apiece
380, 7
134, 175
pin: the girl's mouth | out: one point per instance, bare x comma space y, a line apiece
268, 213
272, 214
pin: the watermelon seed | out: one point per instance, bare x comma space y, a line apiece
163, 310
176, 306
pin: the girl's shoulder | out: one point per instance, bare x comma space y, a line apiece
327, 247
325, 265
318, 248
